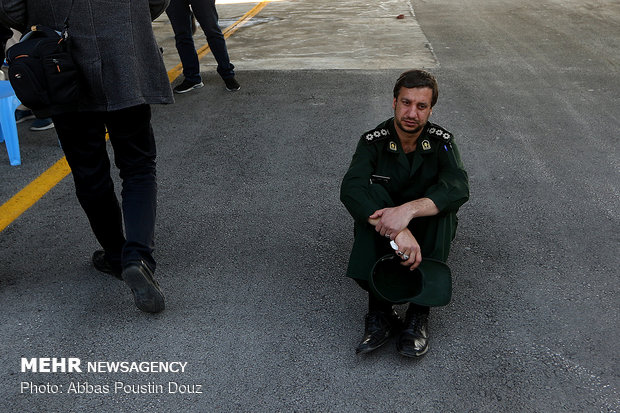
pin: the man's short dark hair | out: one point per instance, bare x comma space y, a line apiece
417, 78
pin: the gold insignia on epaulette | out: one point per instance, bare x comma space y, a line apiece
426, 145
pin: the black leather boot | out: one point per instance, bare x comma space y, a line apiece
379, 325
103, 264
413, 340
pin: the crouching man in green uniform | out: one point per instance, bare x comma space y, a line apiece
405, 183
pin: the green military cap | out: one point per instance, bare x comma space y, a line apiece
430, 284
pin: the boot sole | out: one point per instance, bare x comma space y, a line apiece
147, 296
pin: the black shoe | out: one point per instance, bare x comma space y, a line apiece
187, 86
101, 263
23, 115
413, 340
42, 124
379, 327
146, 292
231, 84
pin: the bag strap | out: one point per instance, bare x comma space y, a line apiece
65, 29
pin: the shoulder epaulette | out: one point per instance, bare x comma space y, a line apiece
440, 133
376, 135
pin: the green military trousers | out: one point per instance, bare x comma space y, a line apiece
434, 234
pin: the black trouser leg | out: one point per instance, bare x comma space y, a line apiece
83, 140
418, 309
135, 156
374, 303
82, 136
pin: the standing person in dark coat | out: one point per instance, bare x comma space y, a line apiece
180, 16
5, 34
405, 183
114, 47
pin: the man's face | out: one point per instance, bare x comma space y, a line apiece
412, 108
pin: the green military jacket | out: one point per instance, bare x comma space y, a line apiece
436, 172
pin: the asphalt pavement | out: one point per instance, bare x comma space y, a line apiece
252, 242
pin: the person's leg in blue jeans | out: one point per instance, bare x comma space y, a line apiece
207, 16
180, 17
179, 14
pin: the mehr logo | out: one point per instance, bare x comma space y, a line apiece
51, 365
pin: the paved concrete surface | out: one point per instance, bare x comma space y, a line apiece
252, 240
317, 34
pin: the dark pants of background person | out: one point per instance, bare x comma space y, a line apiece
180, 14
82, 136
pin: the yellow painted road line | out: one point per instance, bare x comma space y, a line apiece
27, 197
227, 32
34, 191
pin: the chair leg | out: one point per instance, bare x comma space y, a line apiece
9, 128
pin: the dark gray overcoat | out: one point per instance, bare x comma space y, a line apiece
112, 42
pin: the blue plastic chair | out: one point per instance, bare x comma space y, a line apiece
8, 127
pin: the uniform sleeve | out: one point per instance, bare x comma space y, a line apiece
354, 190
452, 187
13, 14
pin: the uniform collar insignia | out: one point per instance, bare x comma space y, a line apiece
426, 145
392, 147
437, 132
376, 135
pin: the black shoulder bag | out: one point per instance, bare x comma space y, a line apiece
42, 72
